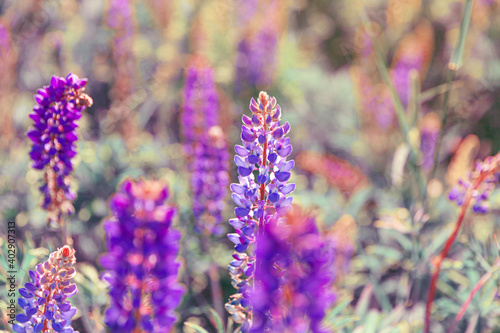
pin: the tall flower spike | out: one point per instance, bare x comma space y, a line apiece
44, 299
205, 147
141, 263
262, 192
294, 276
59, 106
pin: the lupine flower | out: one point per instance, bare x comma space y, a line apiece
338, 172
430, 126
256, 58
60, 105
255, 62
205, 147
262, 192
44, 299
414, 52
141, 260
293, 277
479, 185
342, 237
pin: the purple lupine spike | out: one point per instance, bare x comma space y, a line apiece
54, 137
261, 193
479, 185
205, 147
44, 299
255, 62
294, 276
141, 266
430, 126
256, 59
400, 75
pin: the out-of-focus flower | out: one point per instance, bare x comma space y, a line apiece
462, 161
293, 277
255, 60
44, 299
60, 105
414, 52
479, 185
338, 172
141, 262
205, 147
342, 236
430, 125
262, 191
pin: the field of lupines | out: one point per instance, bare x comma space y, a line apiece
251, 166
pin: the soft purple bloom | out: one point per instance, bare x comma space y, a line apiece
205, 148
141, 262
260, 194
44, 299
430, 126
401, 74
54, 136
294, 276
255, 60
479, 185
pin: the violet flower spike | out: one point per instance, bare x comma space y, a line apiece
205, 147
54, 136
141, 263
262, 192
44, 298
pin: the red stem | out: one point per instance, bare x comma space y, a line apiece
446, 249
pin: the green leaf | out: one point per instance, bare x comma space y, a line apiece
358, 200
337, 323
371, 322
331, 316
218, 321
195, 327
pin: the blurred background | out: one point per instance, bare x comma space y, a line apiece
318, 58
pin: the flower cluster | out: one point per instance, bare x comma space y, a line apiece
293, 277
141, 263
205, 147
44, 299
430, 126
60, 105
262, 191
478, 185
414, 52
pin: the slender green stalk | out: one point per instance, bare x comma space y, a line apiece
453, 66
